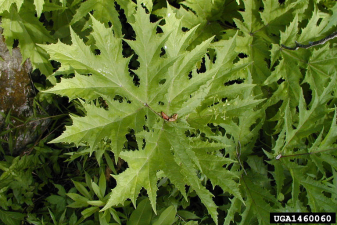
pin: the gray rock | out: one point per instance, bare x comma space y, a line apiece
16, 97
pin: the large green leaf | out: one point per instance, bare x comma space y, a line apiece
164, 86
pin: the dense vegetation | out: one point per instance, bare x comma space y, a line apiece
181, 112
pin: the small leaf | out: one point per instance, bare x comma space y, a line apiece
115, 215
102, 184
80, 187
96, 203
192, 223
167, 217
187, 215
142, 214
97, 190
61, 190
89, 211
104, 218
52, 217
80, 201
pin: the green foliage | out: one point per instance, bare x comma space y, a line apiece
179, 94
182, 102
23, 23
23, 178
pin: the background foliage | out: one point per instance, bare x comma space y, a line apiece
256, 126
